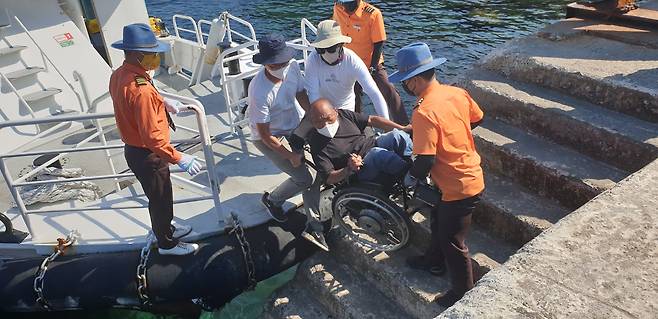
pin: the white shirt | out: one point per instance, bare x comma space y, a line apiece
275, 103
336, 82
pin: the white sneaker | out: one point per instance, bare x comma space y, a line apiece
181, 231
180, 249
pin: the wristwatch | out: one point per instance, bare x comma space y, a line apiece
372, 70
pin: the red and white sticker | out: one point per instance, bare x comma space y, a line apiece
64, 39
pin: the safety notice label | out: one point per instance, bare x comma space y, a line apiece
64, 39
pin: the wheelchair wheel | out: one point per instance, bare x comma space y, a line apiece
370, 218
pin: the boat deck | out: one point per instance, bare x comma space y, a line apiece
243, 174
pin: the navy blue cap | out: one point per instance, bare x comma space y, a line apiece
272, 49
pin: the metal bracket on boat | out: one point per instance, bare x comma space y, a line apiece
142, 286
60, 248
246, 250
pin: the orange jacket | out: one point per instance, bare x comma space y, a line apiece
140, 112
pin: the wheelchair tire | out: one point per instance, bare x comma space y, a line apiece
369, 217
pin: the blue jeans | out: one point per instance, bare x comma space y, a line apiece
386, 156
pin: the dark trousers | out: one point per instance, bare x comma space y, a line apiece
450, 223
395, 108
153, 173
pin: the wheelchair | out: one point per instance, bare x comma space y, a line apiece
377, 214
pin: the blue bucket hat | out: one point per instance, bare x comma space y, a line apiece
272, 49
412, 60
140, 37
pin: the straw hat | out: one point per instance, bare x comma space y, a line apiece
329, 35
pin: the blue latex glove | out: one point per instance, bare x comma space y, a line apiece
189, 164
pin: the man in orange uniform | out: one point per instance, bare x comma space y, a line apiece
443, 144
142, 118
364, 23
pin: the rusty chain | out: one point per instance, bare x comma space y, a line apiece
59, 249
246, 251
142, 286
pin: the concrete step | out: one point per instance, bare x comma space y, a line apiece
487, 252
626, 33
414, 291
294, 302
612, 74
12, 50
549, 169
645, 14
617, 139
344, 292
24, 72
510, 212
39, 95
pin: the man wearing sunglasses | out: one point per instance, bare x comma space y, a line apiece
364, 23
332, 71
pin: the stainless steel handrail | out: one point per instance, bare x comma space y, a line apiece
204, 138
200, 28
227, 17
177, 28
303, 25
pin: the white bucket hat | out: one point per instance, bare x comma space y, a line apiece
329, 35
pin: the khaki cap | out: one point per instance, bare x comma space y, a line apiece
329, 35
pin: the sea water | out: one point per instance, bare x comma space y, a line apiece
460, 30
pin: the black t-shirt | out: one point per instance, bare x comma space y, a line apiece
332, 153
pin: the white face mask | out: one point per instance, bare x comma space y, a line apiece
329, 130
331, 58
279, 73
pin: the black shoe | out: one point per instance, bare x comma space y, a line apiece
275, 211
421, 263
448, 299
316, 237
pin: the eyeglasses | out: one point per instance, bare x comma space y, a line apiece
331, 49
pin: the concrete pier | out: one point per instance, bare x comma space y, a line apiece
568, 225
598, 262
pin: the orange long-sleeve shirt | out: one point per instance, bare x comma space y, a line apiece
140, 112
365, 26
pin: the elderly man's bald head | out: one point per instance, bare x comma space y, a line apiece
322, 112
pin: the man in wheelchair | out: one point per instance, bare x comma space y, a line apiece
342, 150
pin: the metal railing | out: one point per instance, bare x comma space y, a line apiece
242, 46
202, 34
177, 29
15, 183
227, 18
247, 49
303, 25
234, 107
